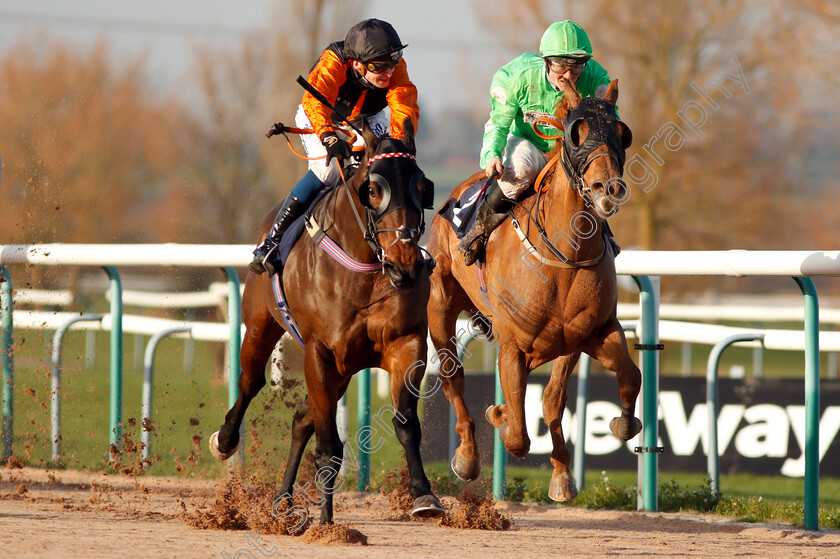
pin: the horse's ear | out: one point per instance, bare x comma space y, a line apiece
571, 98
371, 141
612, 92
408, 135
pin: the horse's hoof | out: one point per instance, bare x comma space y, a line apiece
623, 429
493, 415
562, 488
427, 506
213, 443
465, 468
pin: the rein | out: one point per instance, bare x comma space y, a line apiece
368, 226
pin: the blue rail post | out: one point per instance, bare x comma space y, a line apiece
363, 409
6, 341
55, 382
812, 402
116, 357
712, 458
499, 451
148, 388
648, 337
584, 367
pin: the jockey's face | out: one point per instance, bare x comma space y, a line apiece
378, 79
561, 68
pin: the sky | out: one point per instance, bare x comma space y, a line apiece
444, 50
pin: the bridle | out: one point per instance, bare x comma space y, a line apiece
575, 159
396, 173
599, 115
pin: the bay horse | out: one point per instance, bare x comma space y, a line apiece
546, 301
348, 319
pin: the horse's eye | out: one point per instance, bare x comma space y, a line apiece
371, 191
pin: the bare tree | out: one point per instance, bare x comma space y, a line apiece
82, 144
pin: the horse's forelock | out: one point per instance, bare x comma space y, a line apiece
570, 100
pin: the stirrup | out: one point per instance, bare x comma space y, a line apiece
262, 262
256, 266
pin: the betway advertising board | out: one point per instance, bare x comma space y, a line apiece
761, 425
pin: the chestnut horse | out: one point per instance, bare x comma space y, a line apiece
348, 320
548, 301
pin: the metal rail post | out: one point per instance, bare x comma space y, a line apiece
55, 381
499, 452
712, 461
148, 383
812, 402
363, 410
581, 401
234, 347
116, 357
6, 341
649, 339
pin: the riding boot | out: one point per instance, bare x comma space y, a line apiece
265, 252
491, 212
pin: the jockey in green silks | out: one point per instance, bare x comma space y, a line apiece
521, 91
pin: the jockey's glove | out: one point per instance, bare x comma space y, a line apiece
336, 147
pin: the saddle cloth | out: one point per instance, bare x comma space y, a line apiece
461, 213
292, 234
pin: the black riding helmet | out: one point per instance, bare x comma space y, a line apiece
372, 39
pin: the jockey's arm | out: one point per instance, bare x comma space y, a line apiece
327, 77
503, 107
402, 99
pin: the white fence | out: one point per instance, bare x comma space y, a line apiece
738, 263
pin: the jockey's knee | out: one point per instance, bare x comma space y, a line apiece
513, 187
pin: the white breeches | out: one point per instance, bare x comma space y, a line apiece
329, 175
522, 161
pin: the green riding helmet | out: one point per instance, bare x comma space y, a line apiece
566, 39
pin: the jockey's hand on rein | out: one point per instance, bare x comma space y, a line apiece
336, 147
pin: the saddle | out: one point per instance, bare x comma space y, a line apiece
460, 213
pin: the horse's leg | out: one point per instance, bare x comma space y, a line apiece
261, 336
302, 430
443, 310
401, 359
509, 418
613, 354
323, 386
562, 485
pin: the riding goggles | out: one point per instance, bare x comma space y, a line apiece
560, 64
379, 66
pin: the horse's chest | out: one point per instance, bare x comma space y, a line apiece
368, 333
548, 318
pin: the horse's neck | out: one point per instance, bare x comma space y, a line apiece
343, 226
569, 221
